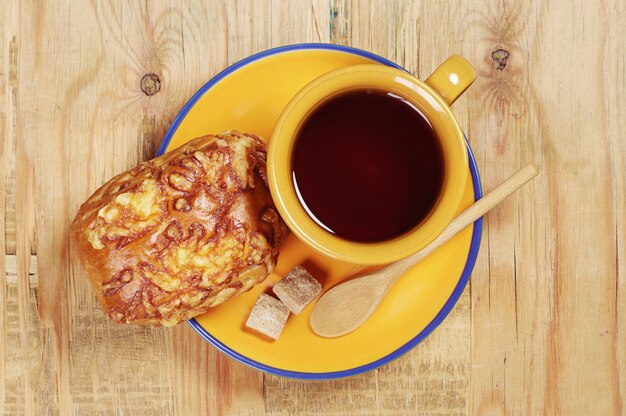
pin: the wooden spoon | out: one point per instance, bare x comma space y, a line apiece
348, 305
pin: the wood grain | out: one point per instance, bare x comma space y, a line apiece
6, 110
541, 330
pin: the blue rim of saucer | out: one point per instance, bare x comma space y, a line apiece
447, 307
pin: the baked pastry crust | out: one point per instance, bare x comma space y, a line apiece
179, 234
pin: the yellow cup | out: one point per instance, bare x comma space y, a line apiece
433, 97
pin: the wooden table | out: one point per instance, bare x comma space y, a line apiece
540, 330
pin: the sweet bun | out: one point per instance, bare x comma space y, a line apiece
179, 234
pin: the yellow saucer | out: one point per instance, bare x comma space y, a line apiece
249, 96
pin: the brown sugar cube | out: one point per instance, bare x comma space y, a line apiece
297, 289
268, 316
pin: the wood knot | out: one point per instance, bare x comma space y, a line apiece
150, 84
500, 56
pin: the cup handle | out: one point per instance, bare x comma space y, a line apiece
452, 78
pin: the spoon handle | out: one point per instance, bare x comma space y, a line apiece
467, 217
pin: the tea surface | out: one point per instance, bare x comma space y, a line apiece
367, 166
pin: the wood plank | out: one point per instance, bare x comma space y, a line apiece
8, 110
8, 79
90, 121
541, 280
6, 163
20, 300
507, 335
614, 70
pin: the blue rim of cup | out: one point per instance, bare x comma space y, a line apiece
447, 307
